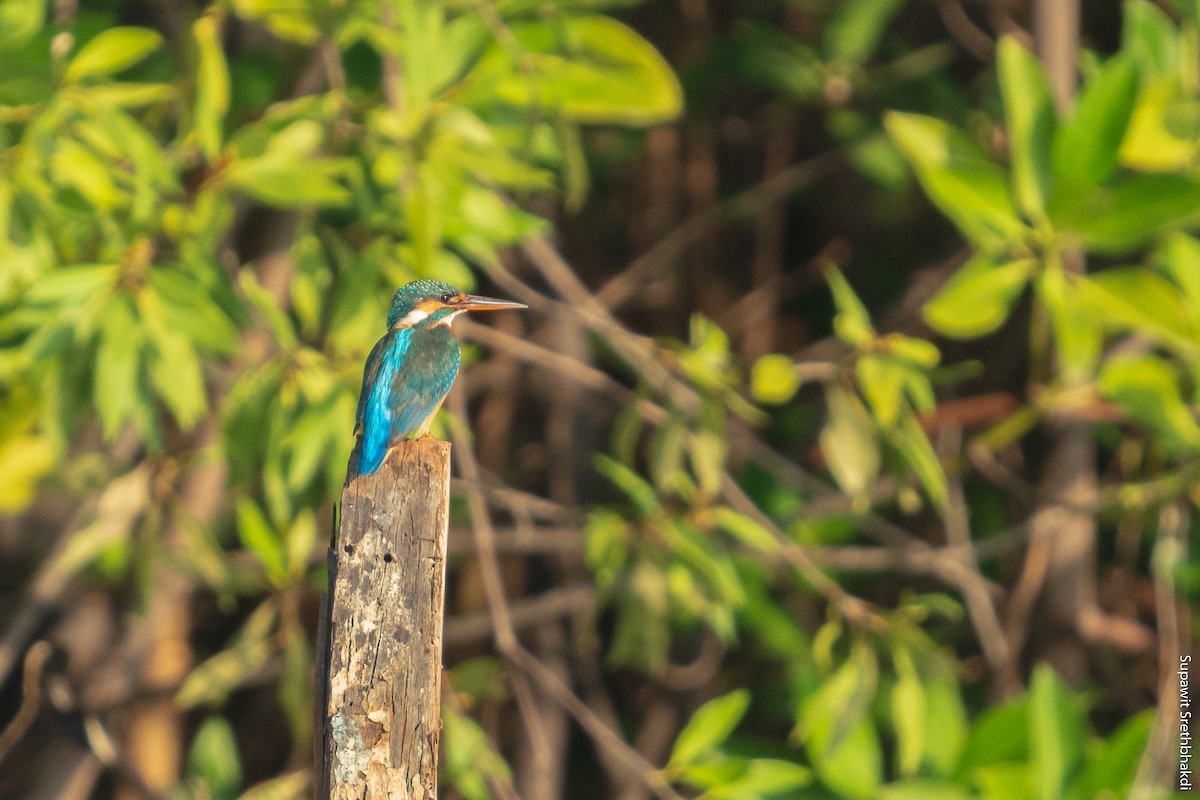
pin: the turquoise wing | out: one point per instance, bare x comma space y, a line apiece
421, 384
374, 406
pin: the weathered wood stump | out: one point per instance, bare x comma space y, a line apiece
381, 683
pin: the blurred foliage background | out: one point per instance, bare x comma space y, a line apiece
849, 448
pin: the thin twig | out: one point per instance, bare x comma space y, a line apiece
505, 635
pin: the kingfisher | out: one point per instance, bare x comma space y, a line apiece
411, 369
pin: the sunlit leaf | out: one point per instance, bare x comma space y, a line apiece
593, 69
215, 759
112, 51
1141, 300
838, 734
471, 763
709, 727
1153, 142
212, 85
924, 789
289, 786
917, 450
1076, 328
1056, 731
960, 180
259, 537
632, 485
881, 380
1148, 390
909, 718
760, 777
773, 379
977, 300
852, 323
24, 461
118, 367
746, 530
20, 20
1029, 112
1121, 218
855, 32
211, 682
1087, 144
848, 443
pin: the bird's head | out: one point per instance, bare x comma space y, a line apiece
427, 303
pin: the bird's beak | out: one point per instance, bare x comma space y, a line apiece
474, 302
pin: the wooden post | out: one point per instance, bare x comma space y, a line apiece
381, 678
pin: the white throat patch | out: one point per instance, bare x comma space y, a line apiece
411, 318
446, 320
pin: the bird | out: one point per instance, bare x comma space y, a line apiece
410, 370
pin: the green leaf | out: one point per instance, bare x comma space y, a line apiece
745, 530
77, 166
72, 285
176, 375
24, 461
258, 536
1087, 144
706, 452
908, 719
1076, 329
1056, 733
1001, 734
20, 21
632, 485
709, 727
173, 364
968, 188
1029, 111
192, 311
848, 442
212, 85
761, 777
470, 763
214, 758
881, 380
1181, 259
1147, 388
1122, 218
978, 298
264, 301
915, 447
1009, 781
946, 716
594, 70
296, 682
118, 367
1150, 37
774, 380
289, 786
855, 32
212, 681
917, 352
838, 735
289, 181
924, 789
111, 51
1139, 299
852, 323
300, 542
1111, 767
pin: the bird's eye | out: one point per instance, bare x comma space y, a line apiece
447, 297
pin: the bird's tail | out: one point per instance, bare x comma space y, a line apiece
374, 449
